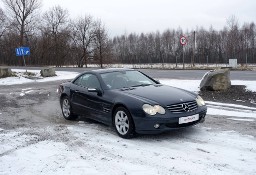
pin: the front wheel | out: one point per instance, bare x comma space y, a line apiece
66, 109
123, 123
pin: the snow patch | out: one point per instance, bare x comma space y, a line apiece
223, 112
96, 150
14, 80
250, 85
190, 85
225, 109
193, 85
34, 159
241, 119
26, 89
229, 105
61, 75
22, 94
27, 92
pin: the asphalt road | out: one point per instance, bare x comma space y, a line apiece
173, 74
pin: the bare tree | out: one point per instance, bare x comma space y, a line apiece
56, 33
83, 33
102, 44
252, 36
233, 36
56, 19
21, 13
2, 22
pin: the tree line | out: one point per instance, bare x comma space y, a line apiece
53, 37
203, 46
56, 39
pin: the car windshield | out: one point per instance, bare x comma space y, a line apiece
125, 79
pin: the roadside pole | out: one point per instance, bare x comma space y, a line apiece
207, 61
194, 49
183, 58
24, 63
176, 61
183, 42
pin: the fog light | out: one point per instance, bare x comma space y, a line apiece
156, 126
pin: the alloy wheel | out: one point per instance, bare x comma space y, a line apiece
66, 108
122, 122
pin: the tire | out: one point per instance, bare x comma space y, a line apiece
123, 123
66, 109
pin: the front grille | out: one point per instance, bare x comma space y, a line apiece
182, 107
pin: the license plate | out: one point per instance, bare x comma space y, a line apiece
188, 119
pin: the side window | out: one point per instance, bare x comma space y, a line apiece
81, 81
78, 81
88, 81
84, 79
93, 82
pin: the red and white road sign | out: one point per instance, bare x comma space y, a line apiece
183, 40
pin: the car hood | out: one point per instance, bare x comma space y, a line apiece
161, 94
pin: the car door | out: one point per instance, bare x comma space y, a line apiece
90, 104
78, 90
95, 102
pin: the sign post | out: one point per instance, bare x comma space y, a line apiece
22, 51
183, 42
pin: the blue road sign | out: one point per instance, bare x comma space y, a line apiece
22, 51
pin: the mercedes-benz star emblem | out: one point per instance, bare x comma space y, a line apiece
185, 107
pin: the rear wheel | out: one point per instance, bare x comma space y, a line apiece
123, 123
66, 109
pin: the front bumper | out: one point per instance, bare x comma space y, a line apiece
146, 125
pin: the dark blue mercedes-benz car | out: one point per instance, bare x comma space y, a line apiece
130, 101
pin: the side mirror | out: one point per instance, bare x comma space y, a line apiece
98, 91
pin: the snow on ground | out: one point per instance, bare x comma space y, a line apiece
94, 149
193, 85
241, 119
226, 109
224, 112
91, 148
61, 75
250, 85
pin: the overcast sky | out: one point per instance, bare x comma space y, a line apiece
138, 16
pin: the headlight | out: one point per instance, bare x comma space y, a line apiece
200, 101
153, 110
